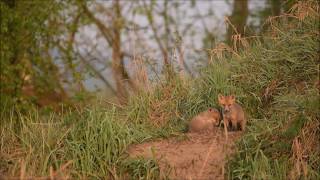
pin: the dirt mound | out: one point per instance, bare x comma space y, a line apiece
196, 157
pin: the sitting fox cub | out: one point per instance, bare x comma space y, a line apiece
205, 121
232, 113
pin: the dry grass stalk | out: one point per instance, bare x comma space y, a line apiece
226, 19
59, 174
22, 170
140, 76
219, 51
159, 115
305, 144
303, 9
239, 41
164, 108
270, 90
300, 165
180, 61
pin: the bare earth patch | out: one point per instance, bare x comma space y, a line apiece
196, 157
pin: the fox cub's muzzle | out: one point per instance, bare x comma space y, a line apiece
226, 109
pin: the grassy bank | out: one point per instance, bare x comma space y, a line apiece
279, 75
275, 77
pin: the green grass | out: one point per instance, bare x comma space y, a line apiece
141, 168
270, 72
94, 140
273, 79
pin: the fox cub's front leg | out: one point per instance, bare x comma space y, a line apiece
232, 112
243, 124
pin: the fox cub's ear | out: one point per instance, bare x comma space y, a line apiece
221, 99
232, 98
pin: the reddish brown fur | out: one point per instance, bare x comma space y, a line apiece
232, 113
205, 120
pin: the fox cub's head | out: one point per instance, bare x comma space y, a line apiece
214, 114
226, 102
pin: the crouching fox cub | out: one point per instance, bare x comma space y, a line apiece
205, 120
233, 113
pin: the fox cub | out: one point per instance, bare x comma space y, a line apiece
233, 113
205, 120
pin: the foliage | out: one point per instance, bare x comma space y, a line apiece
21, 26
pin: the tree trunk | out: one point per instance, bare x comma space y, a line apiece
275, 7
238, 19
117, 64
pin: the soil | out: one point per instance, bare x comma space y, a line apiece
197, 156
